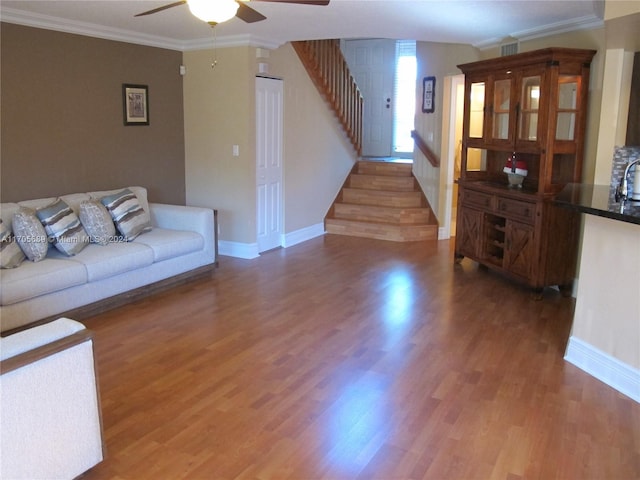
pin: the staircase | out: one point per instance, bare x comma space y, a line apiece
330, 73
382, 200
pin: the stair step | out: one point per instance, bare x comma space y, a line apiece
381, 231
375, 213
385, 168
382, 182
385, 198
382, 200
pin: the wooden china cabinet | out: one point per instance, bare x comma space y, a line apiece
530, 107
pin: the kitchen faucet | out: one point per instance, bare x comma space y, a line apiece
622, 192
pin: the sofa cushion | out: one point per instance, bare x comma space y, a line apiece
30, 234
74, 200
97, 221
63, 227
37, 202
34, 279
112, 259
7, 210
130, 218
11, 255
167, 243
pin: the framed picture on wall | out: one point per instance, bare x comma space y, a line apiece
428, 94
135, 99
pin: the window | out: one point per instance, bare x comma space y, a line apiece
404, 97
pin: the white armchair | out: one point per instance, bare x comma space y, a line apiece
50, 423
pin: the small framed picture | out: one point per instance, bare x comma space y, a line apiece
428, 94
135, 99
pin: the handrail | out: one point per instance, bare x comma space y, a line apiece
434, 160
329, 72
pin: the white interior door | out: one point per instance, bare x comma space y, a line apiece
372, 64
269, 125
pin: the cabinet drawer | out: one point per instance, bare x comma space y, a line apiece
515, 208
477, 199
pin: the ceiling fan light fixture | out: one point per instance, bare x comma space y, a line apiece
213, 11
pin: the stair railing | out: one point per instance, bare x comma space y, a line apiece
434, 160
330, 74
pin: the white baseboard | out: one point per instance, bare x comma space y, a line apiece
302, 235
604, 367
443, 234
239, 250
249, 251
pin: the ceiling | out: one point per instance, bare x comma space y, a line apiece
481, 23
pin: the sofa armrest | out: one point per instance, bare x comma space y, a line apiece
195, 219
50, 409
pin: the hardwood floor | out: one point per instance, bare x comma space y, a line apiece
350, 358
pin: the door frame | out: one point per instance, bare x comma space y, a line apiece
451, 118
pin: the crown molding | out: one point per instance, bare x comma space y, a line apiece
47, 22
582, 23
224, 41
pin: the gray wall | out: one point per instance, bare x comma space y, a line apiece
62, 123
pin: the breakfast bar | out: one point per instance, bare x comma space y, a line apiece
605, 335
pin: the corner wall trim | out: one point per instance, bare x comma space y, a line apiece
604, 367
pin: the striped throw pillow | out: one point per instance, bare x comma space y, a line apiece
130, 218
10, 254
63, 227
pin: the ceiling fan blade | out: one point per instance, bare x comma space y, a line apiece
302, 2
248, 14
159, 9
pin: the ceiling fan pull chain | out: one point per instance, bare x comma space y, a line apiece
214, 62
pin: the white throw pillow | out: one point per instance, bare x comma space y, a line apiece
97, 221
30, 234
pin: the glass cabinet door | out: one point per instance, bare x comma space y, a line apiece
476, 110
567, 107
501, 109
529, 105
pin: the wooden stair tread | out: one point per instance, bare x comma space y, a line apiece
381, 230
382, 182
384, 168
382, 200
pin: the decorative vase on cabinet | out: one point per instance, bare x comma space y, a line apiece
528, 112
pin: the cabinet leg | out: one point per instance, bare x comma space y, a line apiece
536, 294
566, 290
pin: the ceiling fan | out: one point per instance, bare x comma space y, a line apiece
218, 11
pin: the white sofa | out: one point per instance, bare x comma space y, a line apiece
50, 408
182, 240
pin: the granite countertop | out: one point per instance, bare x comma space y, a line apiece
598, 200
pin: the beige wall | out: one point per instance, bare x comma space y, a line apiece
439, 60
219, 106
220, 112
62, 121
317, 154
